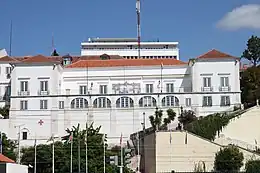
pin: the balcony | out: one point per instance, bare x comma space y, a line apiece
224, 88
23, 93
43, 93
206, 89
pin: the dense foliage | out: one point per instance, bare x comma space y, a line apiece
252, 166
4, 111
252, 52
157, 121
228, 159
250, 85
186, 117
62, 153
8, 147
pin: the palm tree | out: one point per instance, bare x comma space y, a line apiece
156, 119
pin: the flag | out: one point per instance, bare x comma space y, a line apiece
186, 139
71, 138
161, 65
121, 139
1, 146
170, 137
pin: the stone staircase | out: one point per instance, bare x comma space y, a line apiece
243, 131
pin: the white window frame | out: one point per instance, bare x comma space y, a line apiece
24, 105
188, 102
224, 81
207, 82
24, 86
83, 89
61, 104
170, 87
8, 70
103, 89
43, 104
44, 85
208, 101
149, 88
226, 101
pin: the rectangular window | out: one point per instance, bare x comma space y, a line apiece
24, 86
207, 101
206, 82
103, 89
24, 135
188, 102
83, 90
224, 82
8, 70
44, 85
169, 87
61, 104
23, 105
43, 104
225, 101
149, 88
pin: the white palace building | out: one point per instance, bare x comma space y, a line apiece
51, 94
127, 48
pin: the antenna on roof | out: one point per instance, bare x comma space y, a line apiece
52, 42
10, 39
138, 12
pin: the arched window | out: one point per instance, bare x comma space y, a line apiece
124, 102
147, 101
102, 102
170, 101
79, 103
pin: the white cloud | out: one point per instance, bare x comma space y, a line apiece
245, 16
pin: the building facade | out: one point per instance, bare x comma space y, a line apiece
128, 48
49, 95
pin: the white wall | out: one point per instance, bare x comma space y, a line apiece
15, 168
182, 157
245, 128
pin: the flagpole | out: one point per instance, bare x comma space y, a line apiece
53, 154
1, 144
121, 167
104, 158
86, 136
71, 146
35, 150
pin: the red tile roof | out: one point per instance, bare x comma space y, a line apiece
7, 59
37, 59
125, 62
215, 54
41, 58
5, 159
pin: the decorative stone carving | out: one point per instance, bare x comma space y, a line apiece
126, 88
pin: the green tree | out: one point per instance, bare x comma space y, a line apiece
252, 52
228, 159
156, 119
4, 111
8, 147
186, 117
252, 166
62, 153
250, 85
55, 53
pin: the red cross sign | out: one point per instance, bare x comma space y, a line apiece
40, 122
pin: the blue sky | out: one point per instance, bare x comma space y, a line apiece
194, 24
